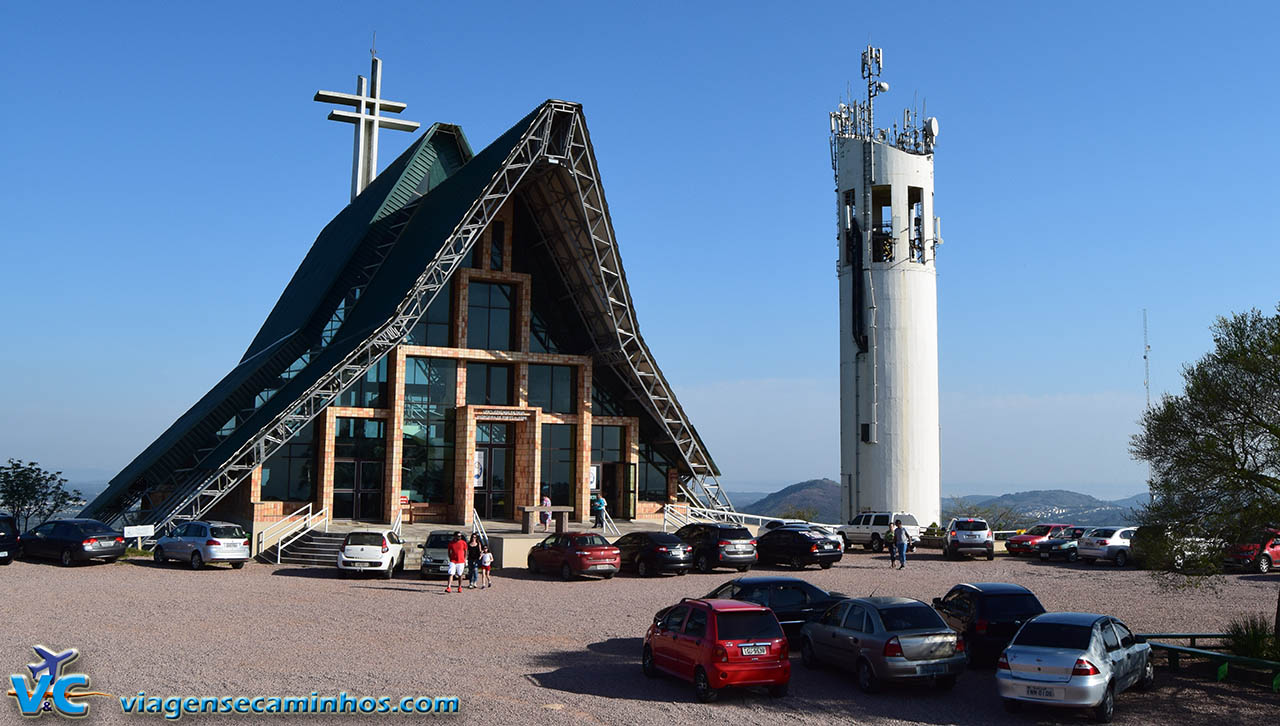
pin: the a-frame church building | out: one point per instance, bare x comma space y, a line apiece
459, 340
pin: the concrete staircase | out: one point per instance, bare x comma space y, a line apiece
320, 549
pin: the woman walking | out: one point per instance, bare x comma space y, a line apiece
473, 559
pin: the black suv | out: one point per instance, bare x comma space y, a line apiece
717, 544
798, 546
988, 615
650, 553
793, 600
8, 538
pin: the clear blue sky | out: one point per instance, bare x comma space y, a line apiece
166, 170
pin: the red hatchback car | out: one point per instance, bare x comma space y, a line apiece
575, 553
718, 643
1258, 553
1025, 543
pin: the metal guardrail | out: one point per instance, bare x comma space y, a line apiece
284, 523
398, 522
477, 527
609, 526
299, 528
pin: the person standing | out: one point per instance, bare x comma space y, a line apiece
546, 512
597, 509
473, 559
901, 540
486, 563
457, 561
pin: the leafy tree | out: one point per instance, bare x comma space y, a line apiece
805, 513
1214, 450
32, 494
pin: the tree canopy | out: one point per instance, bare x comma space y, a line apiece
1214, 450
32, 494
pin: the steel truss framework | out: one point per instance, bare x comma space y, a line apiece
557, 137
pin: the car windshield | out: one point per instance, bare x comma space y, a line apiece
734, 533
910, 617
591, 540
971, 525
228, 531
1104, 532
1039, 530
364, 539
439, 541
95, 528
1011, 607
1054, 635
908, 520
753, 625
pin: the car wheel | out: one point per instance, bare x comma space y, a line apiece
991, 555
744, 568
948, 553
65, 558
779, 690
847, 544
608, 575
825, 565
796, 563
5, 560
237, 565
877, 544
646, 663
1148, 680
1072, 556
702, 564
807, 656
642, 568
945, 683
1103, 712
1012, 705
196, 561
1264, 564
1122, 559
566, 572
389, 572
866, 675
702, 686
533, 566
158, 556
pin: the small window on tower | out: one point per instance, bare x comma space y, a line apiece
881, 224
915, 212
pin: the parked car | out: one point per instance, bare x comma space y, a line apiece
1180, 546
1025, 543
798, 546
1065, 546
575, 553
773, 524
199, 543
968, 536
871, 530
8, 538
794, 601
1107, 543
987, 614
72, 540
718, 643
652, 553
884, 639
717, 544
435, 554
371, 550
1073, 659
1259, 553
827, 532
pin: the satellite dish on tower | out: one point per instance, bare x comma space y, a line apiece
931, 126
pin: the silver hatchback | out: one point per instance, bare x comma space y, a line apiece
1073, 659
884, 639
201, 543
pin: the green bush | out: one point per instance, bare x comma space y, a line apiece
1253, 636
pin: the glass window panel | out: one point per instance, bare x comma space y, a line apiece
499, 330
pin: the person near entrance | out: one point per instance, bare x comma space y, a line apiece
597, 509
546, 513
457, 561
473, 559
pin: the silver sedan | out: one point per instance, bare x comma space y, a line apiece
1073, 659
884, 639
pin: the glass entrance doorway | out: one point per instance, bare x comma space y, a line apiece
357, 490
495, 470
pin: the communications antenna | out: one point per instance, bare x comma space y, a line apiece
1146, 359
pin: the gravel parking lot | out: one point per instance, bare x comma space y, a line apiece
536, 650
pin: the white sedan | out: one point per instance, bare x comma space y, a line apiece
371, 550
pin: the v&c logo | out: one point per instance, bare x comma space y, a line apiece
49, 689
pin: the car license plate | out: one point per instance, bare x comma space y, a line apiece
360, 564
931, 669
755, 649
1042, 692
1043, 556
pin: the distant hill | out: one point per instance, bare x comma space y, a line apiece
822, 496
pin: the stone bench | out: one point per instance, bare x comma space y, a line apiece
528, 517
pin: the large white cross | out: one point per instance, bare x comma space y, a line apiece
368, 119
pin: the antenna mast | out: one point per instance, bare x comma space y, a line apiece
1146, 359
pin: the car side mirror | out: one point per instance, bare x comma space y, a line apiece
422, 546
937, 603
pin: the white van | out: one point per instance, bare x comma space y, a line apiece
872, 529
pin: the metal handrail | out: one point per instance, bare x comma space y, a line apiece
671, 514
477, 527
717, 515
609, 526
300, 529
398, 522
283, 523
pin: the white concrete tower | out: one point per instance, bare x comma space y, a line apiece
888, 234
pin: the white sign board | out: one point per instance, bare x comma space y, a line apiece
595, 478
139, 530
476, 482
